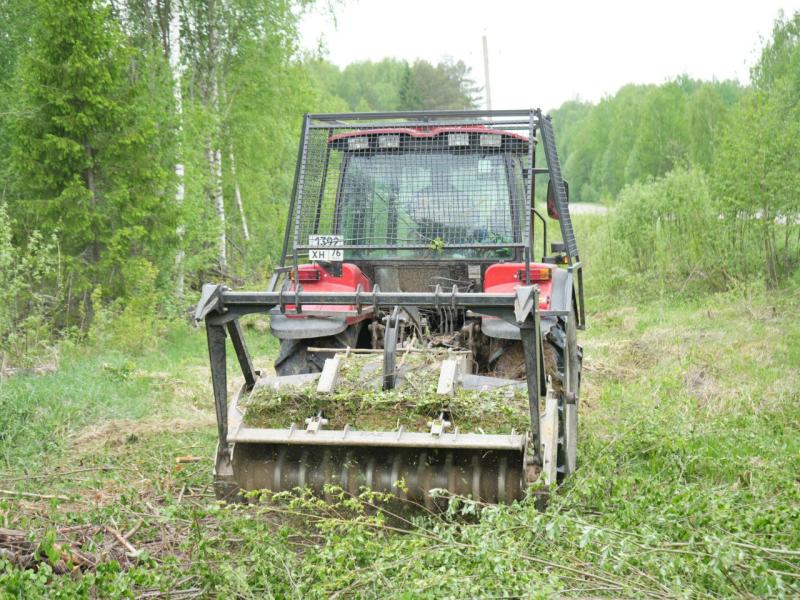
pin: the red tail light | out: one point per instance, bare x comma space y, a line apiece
305, 275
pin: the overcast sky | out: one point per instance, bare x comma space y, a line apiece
544, 52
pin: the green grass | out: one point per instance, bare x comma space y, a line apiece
101, 381
687, 487
92, 385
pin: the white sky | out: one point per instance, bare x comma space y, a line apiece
544, 52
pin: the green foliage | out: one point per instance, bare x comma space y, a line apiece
664, 236
359, 401
134, 324
365, 85
15, 25
686, 231
757, 166
90, 145
686, 485
244, 91
662, 133
93, 134
445, 86
272, 92
393, 84
28, 295
437, 245
640, 132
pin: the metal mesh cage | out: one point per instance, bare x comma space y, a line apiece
400, 186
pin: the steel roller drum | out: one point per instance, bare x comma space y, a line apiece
492, 476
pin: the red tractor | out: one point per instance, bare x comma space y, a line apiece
415, 229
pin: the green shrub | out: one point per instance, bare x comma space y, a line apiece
28, 296
664, 236
131, 324
756, 170
756, 178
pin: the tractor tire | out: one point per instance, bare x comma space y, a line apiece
568, 354
295, 359
560, 341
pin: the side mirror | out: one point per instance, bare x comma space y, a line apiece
551, 199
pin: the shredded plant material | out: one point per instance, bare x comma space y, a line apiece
359, 401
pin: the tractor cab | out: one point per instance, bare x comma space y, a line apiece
436, 193
410, 204
416, 206
430, 193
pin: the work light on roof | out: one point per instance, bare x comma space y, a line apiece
458, 139
358, 143
490, 140
389, 141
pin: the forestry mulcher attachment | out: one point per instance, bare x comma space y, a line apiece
411, 236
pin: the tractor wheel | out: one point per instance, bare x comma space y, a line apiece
295, 359
563, 359
571, 356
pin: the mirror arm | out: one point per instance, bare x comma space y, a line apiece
544, 231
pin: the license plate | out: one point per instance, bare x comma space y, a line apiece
327, 248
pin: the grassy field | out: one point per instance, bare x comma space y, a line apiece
688, 483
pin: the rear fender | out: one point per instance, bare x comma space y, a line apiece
560, 297
321, 321
305, 327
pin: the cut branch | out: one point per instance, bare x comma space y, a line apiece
32, 495
121, 539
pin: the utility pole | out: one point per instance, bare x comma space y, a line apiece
486, 73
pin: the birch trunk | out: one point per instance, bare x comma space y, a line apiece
214, 152
215, 164
237, 194
176, 67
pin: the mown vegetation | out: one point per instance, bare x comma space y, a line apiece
359, 401
145, 150
687, 486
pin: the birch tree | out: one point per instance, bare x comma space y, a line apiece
176, 68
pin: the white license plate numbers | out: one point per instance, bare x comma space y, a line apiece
326, 248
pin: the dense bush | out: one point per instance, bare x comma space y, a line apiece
28, 295
757, 167
677, 235
688, 231
664, 236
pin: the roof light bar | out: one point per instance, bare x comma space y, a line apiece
389, 141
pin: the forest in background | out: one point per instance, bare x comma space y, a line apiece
147, 146
642, 131
115, 162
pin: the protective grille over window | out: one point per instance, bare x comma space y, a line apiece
406, 189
